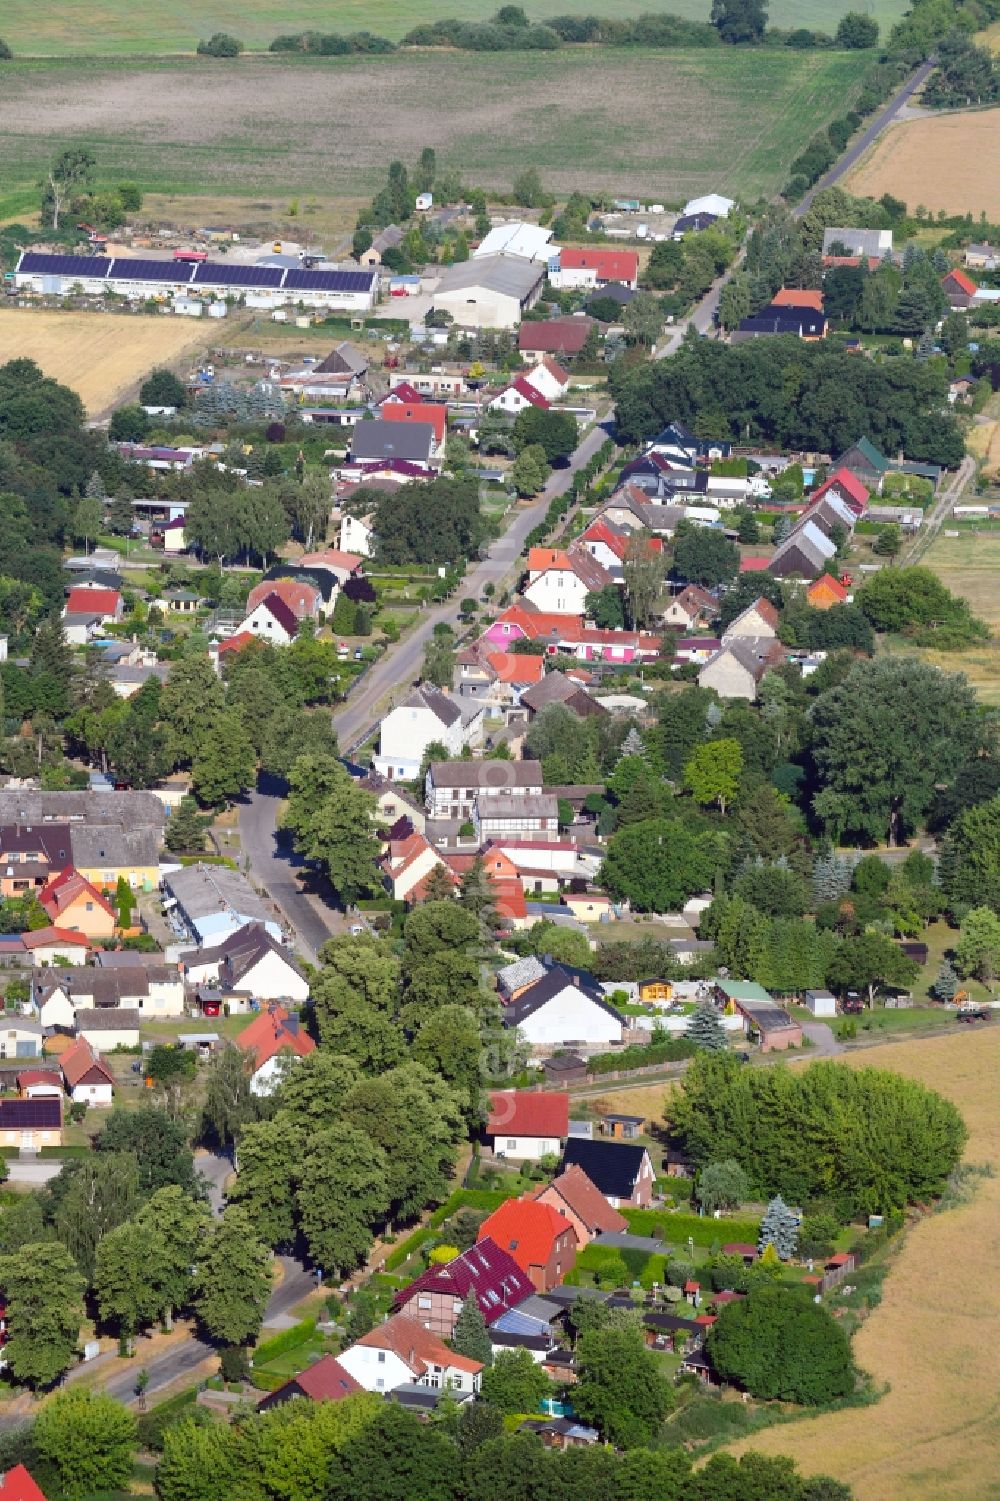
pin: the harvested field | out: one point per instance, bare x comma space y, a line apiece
725, 119
101, 356
949, 162
64, 28
935, 1435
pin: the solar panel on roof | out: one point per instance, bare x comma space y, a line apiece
328, 281
144, 270
212, 273
33, 262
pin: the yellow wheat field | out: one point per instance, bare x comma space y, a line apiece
101, 356
936, 1336
949, 162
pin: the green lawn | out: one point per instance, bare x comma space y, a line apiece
665, 123
67, 26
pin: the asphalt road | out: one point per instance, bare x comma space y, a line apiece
394, 672
276, 867
702, 319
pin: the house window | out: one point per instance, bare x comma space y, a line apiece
424, 1302
381, 1357
511, 1143
380, 1383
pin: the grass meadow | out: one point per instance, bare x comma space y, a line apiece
69, 27
663, 123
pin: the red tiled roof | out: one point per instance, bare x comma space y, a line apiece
485, 1270
554, 369
66, 888
739, 1248
526, 1229
524, 1112
959, 278
610, 265
522, 385
846, 481
754, 565
600, 531
512, 667
416, 1346
330, 557
285, 616
798, 297
403, 392
555, 335
41, 937
541, 558
326, 1381
301, 597
827, 584
692, 1287
584, 1199
270, 1032
80, 1060
239, 641
417, 411
38, 1076
82, 601
19, 1485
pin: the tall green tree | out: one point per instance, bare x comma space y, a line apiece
89, 1198
125, 1278
342, 1194
778, 1343
158, 1143
269, 1152
333, 821
177, 1224
89, 1439
712, 775
44, 1293
977, 951
471, 1337
233, 1280
620, 1388
230, 1104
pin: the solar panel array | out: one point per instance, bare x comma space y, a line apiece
214, 273
328, 281
203, 274
142, 270
92, 266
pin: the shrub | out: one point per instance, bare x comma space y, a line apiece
279, 1344
220, 44
234, 1363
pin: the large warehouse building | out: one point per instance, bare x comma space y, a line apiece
257, 286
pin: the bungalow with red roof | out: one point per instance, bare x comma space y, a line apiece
86, 610
518, 397
404, 1351
958, 288
527, 1125
594, 267
559, 336
301, 597
845, 487
326, 1380
271, 620
799, 297
39, 1084
88, 1079
271, 1038
55, 945
486, 1271
538, 1238
72, 903
559, 581
420, 411
826, 591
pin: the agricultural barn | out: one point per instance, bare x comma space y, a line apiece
258, 286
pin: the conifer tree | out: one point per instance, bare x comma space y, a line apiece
705, 1029
471, 1337
779, 1228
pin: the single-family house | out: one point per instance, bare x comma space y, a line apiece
273, 1037
76, 906
395, 806
801, 322
826, 591
422, 412
301, 597
549, 378
847, 487
406, 865
30, 1124
514, 815
491, 291
621, 1171
48, 946
563, 337
389, 238
20, 1036
452, 787
692, 608
88, 1079
559, 580
427, 715
758, 620
565, 1008
840, 240
805, 552
251, 961
40, 1084
106, 605
736, 669
108, 1027
521, 394
271, 620
357, 534
593, 266
326, 1380
526, 1124
577, 1199
488, 1273
536, 1236
833, 517
496, 678
958, 288
30, 854
808, 297
404, 1350
377, 439
556, 688
867, 463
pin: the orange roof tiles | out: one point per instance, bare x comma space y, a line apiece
423, 411
584, 1199
512, 667
526, 1230
301, 597
272, 1031
84, 601
525, 1112
798, 297
416, 1346
67, 887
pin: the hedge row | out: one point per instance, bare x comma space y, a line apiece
462, 1198
676, 1228
267, 1381
671, 1051
288, 1339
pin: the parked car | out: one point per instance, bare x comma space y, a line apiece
975, 1014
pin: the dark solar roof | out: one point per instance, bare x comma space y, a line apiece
613, 1167
41, 1113
145, 270
64, 265
328, 281
212, 273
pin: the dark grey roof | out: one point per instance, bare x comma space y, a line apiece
108, 1019
375, 439
613, 1167
766, 1015
441, 705
491, 776
43, 1114
554, 688
803, 322
557, 979
111, 845
616, 291
343, 360
132, 809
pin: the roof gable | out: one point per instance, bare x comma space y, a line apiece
486, 1271
526, 1229
584, 1199
523, 1112
271, 1032
613, 1167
